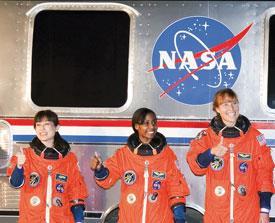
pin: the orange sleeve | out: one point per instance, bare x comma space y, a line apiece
197, 146
112, 164
265, 166
176, 185
78, 189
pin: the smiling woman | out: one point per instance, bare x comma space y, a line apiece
145, 125
52, 188
151, 181
88, 61
45, 128
226, 104
237, 163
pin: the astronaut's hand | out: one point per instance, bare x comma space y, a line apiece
264, 218
219, 150
21, 158
96, 162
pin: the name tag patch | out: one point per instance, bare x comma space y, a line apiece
61, 177
158, 175
244, 156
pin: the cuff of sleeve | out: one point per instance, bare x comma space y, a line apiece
173, 201
179, 213
102, 173
205, 158
78, 212
16, 179
265, 210
16, 186
265, 200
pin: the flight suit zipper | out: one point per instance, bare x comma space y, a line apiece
146, 182
232, 182
49, 194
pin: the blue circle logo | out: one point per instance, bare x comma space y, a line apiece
243, 167
195, 57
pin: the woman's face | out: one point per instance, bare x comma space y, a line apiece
148, 129
45, 131
229, 111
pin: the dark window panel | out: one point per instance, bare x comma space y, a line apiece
271, 64
80, 59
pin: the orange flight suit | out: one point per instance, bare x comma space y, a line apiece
67, 186
166, 185
253, 167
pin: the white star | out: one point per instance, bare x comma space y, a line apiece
205, 25
225, 84
231, 75
178, 92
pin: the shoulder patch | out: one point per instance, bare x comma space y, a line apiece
261, 139
201, 134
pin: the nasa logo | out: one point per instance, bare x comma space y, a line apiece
195, 57
156, 185
59, 188
243, 167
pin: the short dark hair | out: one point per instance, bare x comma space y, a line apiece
48, 114
221, 94
140, 115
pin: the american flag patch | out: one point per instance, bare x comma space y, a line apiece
261, 139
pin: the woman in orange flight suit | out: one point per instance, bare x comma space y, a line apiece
52, 189
152, 187
237, 163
